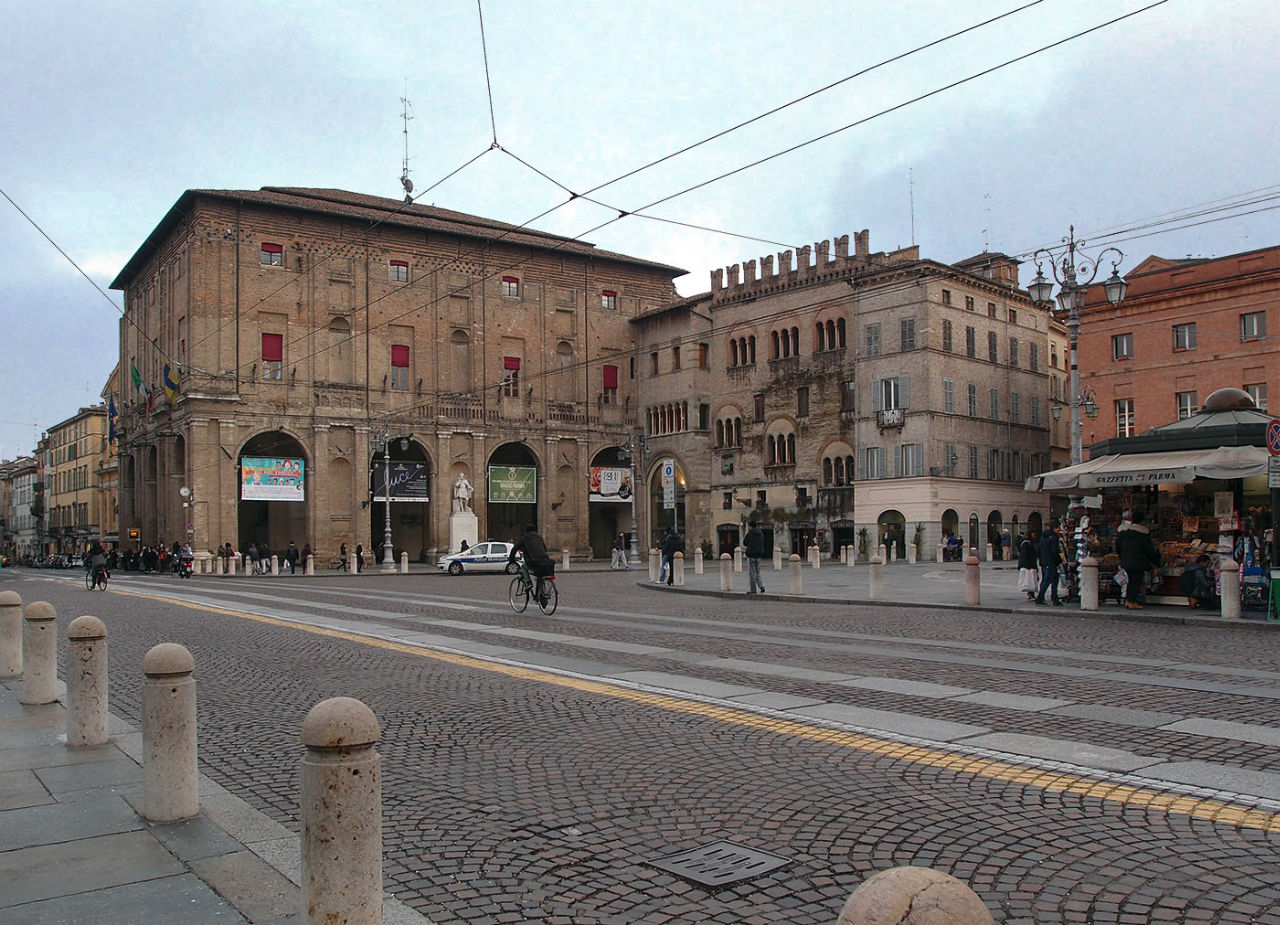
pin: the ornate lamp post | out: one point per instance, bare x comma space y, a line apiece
388, 560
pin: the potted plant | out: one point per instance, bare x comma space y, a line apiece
917, 540
862, 541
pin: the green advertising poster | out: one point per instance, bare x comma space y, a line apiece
513, 485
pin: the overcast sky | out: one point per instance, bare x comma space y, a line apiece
112, 109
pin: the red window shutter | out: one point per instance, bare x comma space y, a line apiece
510, 362
399, 355
273, 248
611, 377
273, 348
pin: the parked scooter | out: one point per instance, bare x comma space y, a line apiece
184, 566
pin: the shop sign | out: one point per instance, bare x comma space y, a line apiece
1149, 477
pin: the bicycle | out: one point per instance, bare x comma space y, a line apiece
523, 588
95, 578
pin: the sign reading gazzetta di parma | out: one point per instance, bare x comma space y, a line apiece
513, 485
270, 479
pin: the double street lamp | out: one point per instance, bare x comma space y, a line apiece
388, 559
1074, 272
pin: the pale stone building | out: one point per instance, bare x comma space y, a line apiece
274, 339
71, 453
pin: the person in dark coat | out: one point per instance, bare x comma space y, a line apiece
673, 544
1137, 555
1050, 558
1028, 563
753, 547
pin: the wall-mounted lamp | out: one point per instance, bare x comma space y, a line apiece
555, 505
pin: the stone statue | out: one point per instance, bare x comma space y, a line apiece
462, 492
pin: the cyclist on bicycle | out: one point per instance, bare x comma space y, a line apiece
536, 561
96, 559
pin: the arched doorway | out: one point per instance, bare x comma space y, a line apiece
995, 523
610, 500
272, 511
891, 529
410, 478
973, 534
662, 512
512, 492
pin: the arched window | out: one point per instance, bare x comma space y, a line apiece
737, 431
820, 335
720, 433
839, 470
791, 449
795, 342
840, 333
733, 353
751, 345
827, 477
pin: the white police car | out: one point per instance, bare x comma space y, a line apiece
482, 557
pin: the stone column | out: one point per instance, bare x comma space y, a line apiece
911, 554
941, 547
170, 778
341, 796
844, 555
10, 635
39, 653
86, 682
851, 560
275, 564
875, 579
1089, 583
797, 582
726, 572
973, 580
564, 559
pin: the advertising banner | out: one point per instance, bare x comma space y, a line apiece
409, 482
609, 484
513, 485
269, 479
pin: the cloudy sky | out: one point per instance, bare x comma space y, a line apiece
1157, 133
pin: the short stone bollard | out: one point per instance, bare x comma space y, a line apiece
10, 634
404, 563
875, 579
726, 572
341, 796
39, 653
797, 581
86, 682
677, 569
940, 557
972, 581
275, 564
777, 559
1230, 589
170, 778
352, 563
217, 565
844, 555
564, 559
697, 561
737, 558
1089, 583
655, 564
851, 557
914, 896
309, 567
991, 553
911, 554
231, 565
815, 557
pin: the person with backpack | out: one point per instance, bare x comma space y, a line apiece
536, 558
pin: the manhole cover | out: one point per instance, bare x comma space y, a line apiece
719, 863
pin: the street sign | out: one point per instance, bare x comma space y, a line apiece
668, 483
1273, 438
1273, 472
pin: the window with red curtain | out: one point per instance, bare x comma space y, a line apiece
272, 356
398, 271
272, 255
511, 376
399, 366
611, 385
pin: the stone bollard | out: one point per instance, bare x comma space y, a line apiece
275, 564
677, 568
86, 682
341, 795
170, 778
217, 565
875, 579
309, 567
941, 547
655, 564
911, 554
231, 565
726, 572
1089, 583
797, 582
815, 557
991, 553
851, 559
697, 561
882, 552
404, 563
10, 634
738, 552
39, 653
1230, 589
352, 563
564, 559
914, 896
844, 555
972, 581
777, 558
893, 553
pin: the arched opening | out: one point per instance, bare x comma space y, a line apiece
950, 523
892, 528
511, 496
666, 499
272, 510
610, 500
973, 531
408, 471
995, 523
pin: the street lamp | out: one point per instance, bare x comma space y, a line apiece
1074, 280
388, 561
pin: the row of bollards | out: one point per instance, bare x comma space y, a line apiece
341, 784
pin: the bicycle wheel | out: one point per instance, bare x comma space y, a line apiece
518, 595
550, 597
88, 580
102, 579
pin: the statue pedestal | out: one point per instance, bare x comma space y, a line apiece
463, 526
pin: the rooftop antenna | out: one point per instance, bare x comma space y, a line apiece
911, 194
404, 172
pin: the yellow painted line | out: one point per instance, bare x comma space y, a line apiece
1210, 810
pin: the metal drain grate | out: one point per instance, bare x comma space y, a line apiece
719, 863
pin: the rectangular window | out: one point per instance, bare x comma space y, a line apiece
272, 255
949, 458
1015, 408
907, 328
399, 366
398, 271
1121, 346
994, 396
1035, 410
272, 356
1124, 417
511, 377
802, 401
1013, 316
1186, 404
1013, 352
991, 309
969, 303
973, 400
970, 341
890, 394
1253, 326
873, 462
946, 336
1034, 351
847, 395
608, 299
726, 501
1258, 392
510, 287
759, 402
610, 385
993, 347
949, 396
675, 357
871, 334
704, 356
946, 296
1184, 336
973, 462
908, 460
653, 363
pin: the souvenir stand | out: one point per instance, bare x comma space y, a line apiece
1202, 483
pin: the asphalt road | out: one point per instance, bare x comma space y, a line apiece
535, 768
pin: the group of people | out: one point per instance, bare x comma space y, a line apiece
150, 559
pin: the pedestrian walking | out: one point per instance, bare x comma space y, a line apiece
1006, 545
1028, 561
291, 557
1050, 559
619, 560
359, 557
342, 557
1137, 554
753, 547
673, 544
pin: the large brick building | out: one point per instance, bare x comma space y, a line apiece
295, 329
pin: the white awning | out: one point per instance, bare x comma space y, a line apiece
1179, 467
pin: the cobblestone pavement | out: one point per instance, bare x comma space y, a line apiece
1067, 769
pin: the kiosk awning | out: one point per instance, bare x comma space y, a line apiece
1177, 466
